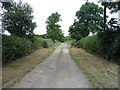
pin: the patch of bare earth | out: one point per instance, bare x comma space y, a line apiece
100, 72
22, 66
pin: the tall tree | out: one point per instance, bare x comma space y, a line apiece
89, 19
104, 4
113, 9
53, 28
17, 19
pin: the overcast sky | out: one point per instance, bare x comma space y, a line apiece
44, 8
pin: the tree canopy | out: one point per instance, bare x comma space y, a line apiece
112, 6
17, 19
89, 19
53, 28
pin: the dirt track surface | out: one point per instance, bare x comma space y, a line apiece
58, 71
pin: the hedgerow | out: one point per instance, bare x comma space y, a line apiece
107, 48
14, 47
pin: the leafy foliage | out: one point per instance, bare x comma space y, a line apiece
89, 19
53, 28
107, 48
78, 30
14, 47
106, 42
17, 19
113, 6
6, 5
110, 36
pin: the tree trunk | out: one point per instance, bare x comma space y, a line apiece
104, 17
119, 12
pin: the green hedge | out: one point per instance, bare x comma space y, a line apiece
14, 47
50, 42
93, 44
90, 43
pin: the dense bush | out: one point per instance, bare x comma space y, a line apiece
90, 43
108, 48
50, 42
75, 44
36, 43
15, 47
45, 44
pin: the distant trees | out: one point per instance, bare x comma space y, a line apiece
17, 19
89, 19
53, 28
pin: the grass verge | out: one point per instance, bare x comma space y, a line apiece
16, 70
99, 72
61, 52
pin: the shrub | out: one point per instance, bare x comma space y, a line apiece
108, 49
50, 42
45, 44
90, 43
14, 47
36, 43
